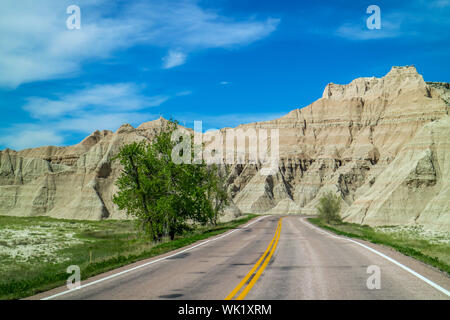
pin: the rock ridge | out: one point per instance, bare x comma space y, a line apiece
381, 144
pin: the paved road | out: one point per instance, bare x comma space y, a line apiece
269, 259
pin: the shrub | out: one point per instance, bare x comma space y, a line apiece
329, 207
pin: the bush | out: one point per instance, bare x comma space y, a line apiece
329, 207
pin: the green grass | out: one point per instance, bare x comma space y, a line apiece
409, 243
111, 244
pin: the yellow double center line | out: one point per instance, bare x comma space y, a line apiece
266, 258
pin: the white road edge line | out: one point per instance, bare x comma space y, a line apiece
151, 262
431, 283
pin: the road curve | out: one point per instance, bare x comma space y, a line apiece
290, 259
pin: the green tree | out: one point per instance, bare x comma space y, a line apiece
217, 193
167, 198
329, 207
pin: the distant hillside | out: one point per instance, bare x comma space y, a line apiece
382, 144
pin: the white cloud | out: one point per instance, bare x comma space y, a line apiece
360, 32
174, 59
100, 107
88, 123
439, 3
224, 83
55, 131
36, 45
100, 98
416, 20
183, 93
185, 24
31, 137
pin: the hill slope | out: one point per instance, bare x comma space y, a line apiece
383, 144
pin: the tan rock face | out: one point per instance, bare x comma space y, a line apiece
382, 144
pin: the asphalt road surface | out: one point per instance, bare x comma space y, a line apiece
269, 258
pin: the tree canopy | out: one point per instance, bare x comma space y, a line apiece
166, 198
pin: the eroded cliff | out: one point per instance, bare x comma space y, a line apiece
382, 144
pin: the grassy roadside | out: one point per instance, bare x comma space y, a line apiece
48, 246
433, 252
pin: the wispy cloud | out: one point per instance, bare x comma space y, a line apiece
55, 131
108, 98
174, 59
439, 3
183, 93
415, 20
87, 123
185, 24
100, 107
36, 45
359, 31
30, 136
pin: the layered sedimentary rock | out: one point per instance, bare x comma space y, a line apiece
382, 144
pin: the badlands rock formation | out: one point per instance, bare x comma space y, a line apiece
382, 144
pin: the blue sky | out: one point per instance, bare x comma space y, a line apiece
222, 62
